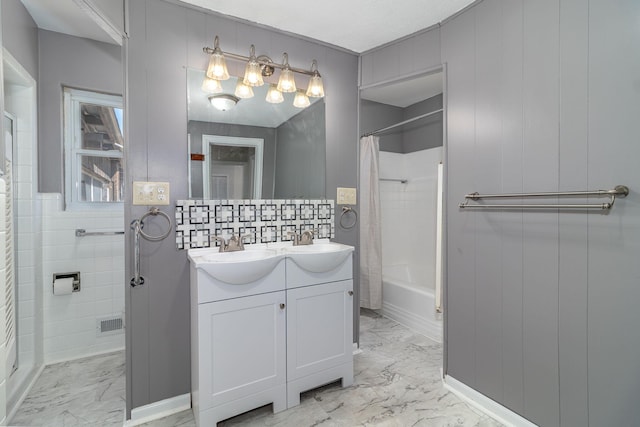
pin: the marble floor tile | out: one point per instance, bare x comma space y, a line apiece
84, 392
397, 384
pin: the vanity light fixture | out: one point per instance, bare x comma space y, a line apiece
315, 89
217, 68
210, 85
252, 72
243, 91
301, 100
223, 102
274, 96
287, 82
260, 66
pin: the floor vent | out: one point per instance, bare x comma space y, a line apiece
109, 325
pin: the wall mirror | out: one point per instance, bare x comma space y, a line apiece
252, 148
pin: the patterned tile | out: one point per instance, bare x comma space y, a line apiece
265, 220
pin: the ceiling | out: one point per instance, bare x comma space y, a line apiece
356, 25
405, 92
67, 17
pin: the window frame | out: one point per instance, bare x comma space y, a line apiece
73, 151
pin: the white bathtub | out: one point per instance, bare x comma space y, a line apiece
407, 298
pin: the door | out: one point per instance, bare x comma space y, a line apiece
10, 276
319, 328
241, 347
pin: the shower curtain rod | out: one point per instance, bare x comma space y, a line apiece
403, 123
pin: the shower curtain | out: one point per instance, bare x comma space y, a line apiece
370, 225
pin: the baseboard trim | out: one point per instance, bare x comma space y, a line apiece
157, 410
490, 407
25, 393
431, 329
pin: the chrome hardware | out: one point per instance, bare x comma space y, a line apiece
282, 306
81, 232
234, 243
136, 226
619, 190
307, 237
345, 211
296, 237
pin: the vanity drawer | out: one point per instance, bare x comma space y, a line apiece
297, 276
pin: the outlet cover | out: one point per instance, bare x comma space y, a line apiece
151, 193
346, 196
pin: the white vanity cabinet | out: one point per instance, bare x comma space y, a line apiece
238, 347
283, 327
319, 328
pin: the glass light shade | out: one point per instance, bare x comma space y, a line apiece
211, 85
315, 89
253, 74
274, 96
287, 82
223, 102
243, 91
217, 68
301, 100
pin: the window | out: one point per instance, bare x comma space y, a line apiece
94, 148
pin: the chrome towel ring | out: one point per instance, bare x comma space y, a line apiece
136, 226
346, 210
155, 212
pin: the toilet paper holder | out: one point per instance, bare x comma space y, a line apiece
76, 279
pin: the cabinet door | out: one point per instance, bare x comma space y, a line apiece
242, 347
319, 328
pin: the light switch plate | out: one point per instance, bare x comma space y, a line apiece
151, 193
346, 196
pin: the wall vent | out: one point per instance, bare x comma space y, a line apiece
109, 325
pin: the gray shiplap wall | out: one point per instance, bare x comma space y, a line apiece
541, 306
73, 62
164, 38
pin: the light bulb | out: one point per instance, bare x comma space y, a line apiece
243, 91
252, 72
217, 68
301, 100
274, 96
287, 82
211, 85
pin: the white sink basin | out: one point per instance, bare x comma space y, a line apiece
237, 268
319, 257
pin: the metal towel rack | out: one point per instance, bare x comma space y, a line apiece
136, 226
619, 190
400, 180
81, 232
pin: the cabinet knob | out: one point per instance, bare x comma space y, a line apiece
351, 293
282, 306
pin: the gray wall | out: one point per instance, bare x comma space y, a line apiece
419, 135
75, 62
374, 115
300, 155
158, 354
541, 306
20, 35
197, 129
423, 133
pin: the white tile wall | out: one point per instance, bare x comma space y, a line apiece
3, 325
70, 320
409, 210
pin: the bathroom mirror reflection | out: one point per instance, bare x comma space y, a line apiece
252, 148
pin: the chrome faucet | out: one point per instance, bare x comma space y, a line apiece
234, 243
306, 238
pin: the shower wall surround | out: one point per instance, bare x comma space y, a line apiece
197, 221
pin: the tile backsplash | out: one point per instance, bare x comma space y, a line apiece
266, 220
